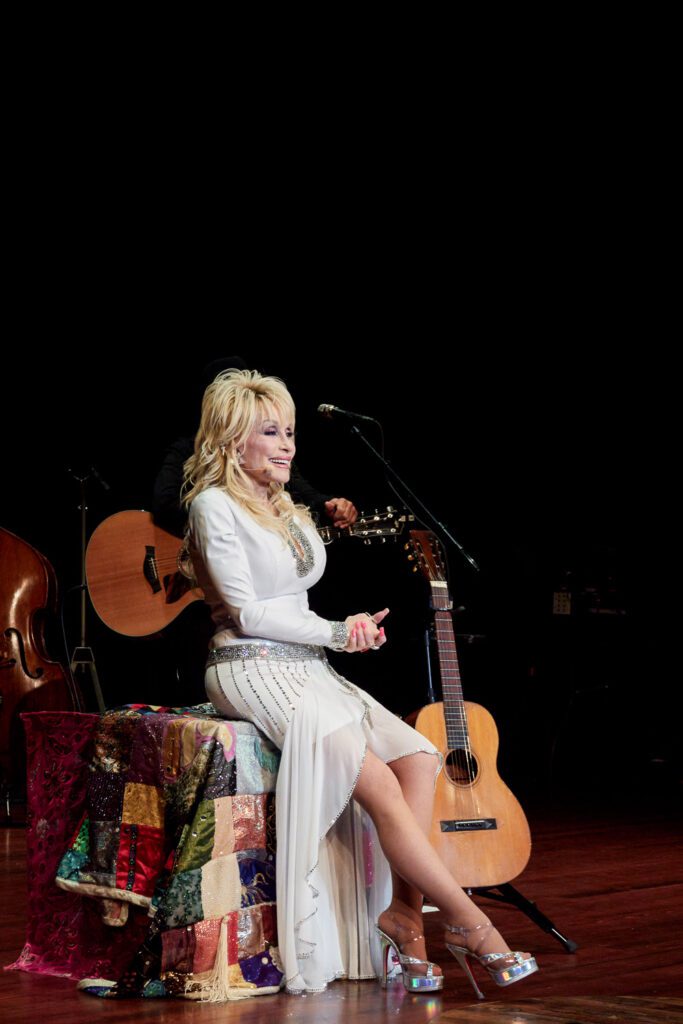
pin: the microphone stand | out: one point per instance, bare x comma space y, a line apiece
504, 892
438, 525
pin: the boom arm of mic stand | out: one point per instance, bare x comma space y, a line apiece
437, 523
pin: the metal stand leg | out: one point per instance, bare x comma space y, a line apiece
507, 893
12, 811
83, 659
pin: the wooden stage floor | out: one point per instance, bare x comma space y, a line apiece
612, 883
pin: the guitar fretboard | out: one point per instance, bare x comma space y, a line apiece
453, 699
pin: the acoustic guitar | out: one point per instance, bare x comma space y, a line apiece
479, 828
140, 577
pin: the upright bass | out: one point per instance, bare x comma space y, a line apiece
30, 680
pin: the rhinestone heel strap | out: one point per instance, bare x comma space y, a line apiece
412, 980
504, 968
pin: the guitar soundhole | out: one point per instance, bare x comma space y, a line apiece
461, 766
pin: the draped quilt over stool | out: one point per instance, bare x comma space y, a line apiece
171, 836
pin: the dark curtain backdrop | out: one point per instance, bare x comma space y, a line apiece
538, 457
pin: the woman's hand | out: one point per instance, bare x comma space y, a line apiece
365, 632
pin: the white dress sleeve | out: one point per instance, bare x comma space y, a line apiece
287, 617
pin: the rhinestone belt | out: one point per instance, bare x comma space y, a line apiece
265, 649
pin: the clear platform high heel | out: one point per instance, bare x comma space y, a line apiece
413, 981
504, 968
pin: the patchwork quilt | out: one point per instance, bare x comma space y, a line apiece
177, 824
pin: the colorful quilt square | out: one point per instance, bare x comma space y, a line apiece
143, 805
260, 970
250, 937
257, 879
145, 761
105, 795
182, 796
256, 764
183, 902
113, 743
221, 887
207, 935
171, 747
104, 839
199, 843
178, 949
72, 864
141, 858
249, 821
224, 834
222, 777
202, 733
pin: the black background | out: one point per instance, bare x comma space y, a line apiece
540, 452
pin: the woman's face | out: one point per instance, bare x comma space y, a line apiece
269, 450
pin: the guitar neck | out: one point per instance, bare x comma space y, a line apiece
426, 552
453, 699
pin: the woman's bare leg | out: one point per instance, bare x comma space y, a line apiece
403, 917
415, 774
404, 841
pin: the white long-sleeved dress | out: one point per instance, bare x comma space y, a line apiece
332, 878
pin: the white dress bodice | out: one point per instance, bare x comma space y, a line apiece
254, 585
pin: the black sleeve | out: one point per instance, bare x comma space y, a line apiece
166, 507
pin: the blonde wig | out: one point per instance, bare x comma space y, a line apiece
233, 406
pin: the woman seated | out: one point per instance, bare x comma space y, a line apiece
256, 554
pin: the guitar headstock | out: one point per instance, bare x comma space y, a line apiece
371, 526
425, 551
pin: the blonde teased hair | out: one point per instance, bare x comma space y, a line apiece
232, 407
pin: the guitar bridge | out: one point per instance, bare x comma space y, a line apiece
149, 568
469, 825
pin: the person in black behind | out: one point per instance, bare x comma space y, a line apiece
189, 635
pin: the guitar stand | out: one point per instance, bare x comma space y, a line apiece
507, 893
83, 660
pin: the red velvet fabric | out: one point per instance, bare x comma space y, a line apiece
65, 933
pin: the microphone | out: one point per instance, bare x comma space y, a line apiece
334, 410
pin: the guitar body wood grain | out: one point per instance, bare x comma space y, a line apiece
491, 842
133, 572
